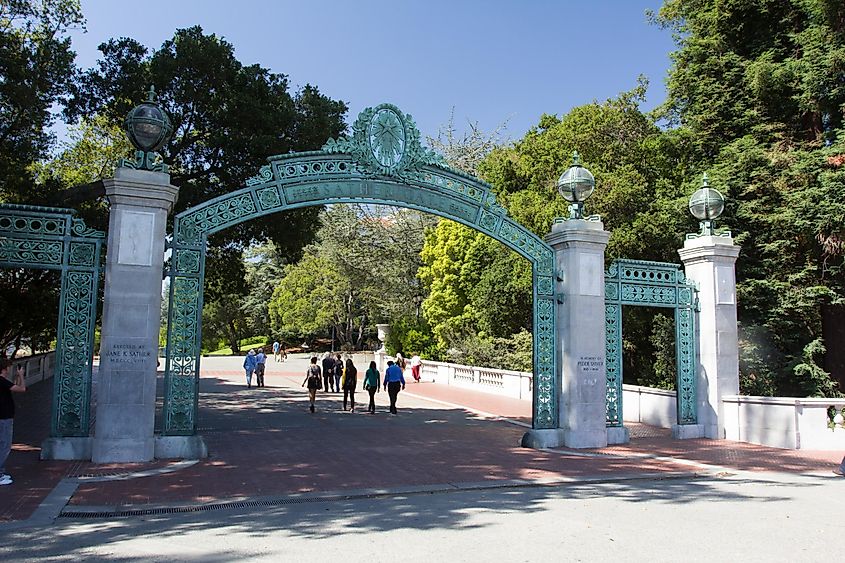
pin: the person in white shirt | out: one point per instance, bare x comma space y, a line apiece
416, 365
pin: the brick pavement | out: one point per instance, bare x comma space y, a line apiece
264, 442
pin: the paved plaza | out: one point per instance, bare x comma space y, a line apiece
445, 472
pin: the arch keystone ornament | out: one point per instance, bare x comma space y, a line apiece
382, 162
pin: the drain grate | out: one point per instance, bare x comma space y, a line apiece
207, 507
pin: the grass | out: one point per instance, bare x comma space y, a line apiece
246, 343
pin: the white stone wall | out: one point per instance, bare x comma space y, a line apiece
783, 422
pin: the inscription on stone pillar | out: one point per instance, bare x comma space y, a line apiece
126, 354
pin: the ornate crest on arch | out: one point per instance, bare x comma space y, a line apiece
385, 142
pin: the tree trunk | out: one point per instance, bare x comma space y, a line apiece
234, 341
833, 332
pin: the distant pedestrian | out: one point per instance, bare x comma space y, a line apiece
841, 469
249, 367
260, 364
400, 361
338, 372
371, 385
7, 413
328, 372
416, 365
350, 382
313, 378
393, 380
276, 348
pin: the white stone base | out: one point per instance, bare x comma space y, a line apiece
618, 435
67, 448
687, 431
180, 447
540, 439
579, 439
123, 450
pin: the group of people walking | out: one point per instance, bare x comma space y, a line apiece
255, 363
333, 374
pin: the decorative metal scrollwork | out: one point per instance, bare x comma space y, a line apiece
653, 284
54, 239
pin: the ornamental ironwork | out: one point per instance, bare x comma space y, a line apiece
651, 284
382, 162
50, 238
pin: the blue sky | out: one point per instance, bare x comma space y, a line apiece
492, 61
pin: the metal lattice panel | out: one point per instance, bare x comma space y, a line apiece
652, 284
382, 162
53, 239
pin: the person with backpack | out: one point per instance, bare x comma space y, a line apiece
371, 386
313, 377
249, 367
350, 382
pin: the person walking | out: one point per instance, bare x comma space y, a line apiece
416, 365
393, 380
260, 364
338, 372
276, 348
249, 366
350, 382
7, 413
313, 378
371, 385
328, 372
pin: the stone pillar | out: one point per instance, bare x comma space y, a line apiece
709, 262
579, 260
126, 381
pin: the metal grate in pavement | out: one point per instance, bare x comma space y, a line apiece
209, 507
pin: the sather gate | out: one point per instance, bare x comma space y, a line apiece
382, 162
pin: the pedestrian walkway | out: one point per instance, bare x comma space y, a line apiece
264, 443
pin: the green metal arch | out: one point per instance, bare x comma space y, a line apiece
348, 170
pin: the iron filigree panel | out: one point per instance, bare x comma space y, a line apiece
382, 162
52, 238
653, 284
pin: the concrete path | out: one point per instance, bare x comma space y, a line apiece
266, 448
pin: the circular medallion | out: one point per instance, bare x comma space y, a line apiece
387, 137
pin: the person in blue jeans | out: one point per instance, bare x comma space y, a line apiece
393, 381
249, 366
260, 365
7, 413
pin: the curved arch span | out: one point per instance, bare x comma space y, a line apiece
348, 171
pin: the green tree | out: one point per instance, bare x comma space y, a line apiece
756, 91
228, 118
36, 70
368, 257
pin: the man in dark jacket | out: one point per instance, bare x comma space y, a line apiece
7, 413
328, 372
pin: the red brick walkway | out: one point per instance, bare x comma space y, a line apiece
264, 442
